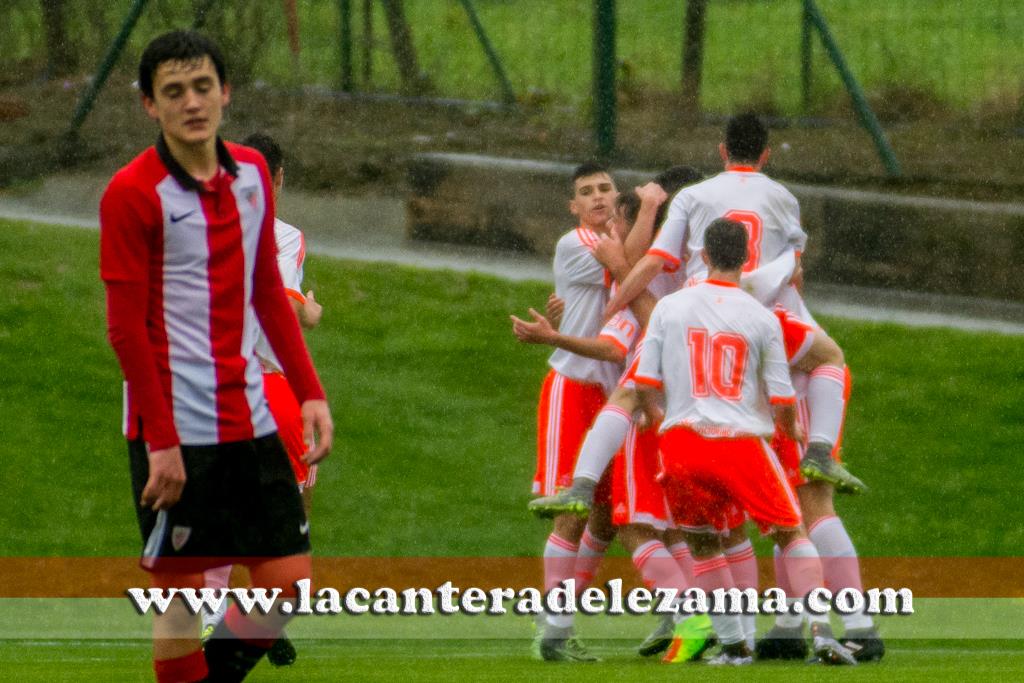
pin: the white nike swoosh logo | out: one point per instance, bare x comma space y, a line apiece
304, 528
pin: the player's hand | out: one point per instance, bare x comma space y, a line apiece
554, 310
611, 253
166, 479
311, 311
650, 417
652, 193
539, 331
317, 430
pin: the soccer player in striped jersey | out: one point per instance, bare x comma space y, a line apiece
717, 355
188, 262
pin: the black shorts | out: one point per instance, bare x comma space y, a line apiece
240, 504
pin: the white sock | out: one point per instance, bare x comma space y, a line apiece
788, 620
216, 578
839, 563
603, 441
827, 392
743, 565
559, 566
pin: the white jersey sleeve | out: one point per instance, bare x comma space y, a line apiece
622, 330
648, 370
582, 282
775, 371
291, 257
671, 241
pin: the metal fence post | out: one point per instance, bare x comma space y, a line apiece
508, 94
806, 57
88, 99
345, 17
860, 103
604, 77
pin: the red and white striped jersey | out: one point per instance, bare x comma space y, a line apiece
198, 259
718, 355
582, 282
291, 256
769, 211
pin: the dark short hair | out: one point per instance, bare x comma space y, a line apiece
271, 151
677, 177
587, 168
746, 136
628, 205
177, 46
672, 180
725, 243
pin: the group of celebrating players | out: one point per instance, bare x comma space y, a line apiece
690, 391
204, 300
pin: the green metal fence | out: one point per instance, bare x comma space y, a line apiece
912, 57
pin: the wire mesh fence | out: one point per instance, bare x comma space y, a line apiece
913, 57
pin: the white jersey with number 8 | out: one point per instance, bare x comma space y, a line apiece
768, 210
719, 356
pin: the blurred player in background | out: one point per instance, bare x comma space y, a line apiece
718, 356
188, 261
291, 255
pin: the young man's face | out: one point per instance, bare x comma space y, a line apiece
188, 100
593, 200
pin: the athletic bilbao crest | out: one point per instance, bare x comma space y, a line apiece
179, 536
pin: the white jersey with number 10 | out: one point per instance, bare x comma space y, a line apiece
719, 357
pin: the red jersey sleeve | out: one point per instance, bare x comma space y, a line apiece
275, 313
126, 241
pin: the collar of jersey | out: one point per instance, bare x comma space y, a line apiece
721, 283
741, 169
185, 178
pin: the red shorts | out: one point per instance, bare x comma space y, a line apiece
703, 478
288, 415
566, 411
797, 336
637, 497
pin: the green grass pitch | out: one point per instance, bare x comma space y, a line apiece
434, 406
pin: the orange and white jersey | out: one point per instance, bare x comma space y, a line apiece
582, 282
623, 330
291, 255
718, 355
769, 211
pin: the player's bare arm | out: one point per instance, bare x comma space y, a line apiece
652, 196
540, 331
636, 282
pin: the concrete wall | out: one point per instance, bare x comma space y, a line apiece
856, 238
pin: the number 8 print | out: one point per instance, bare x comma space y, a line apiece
754, 225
